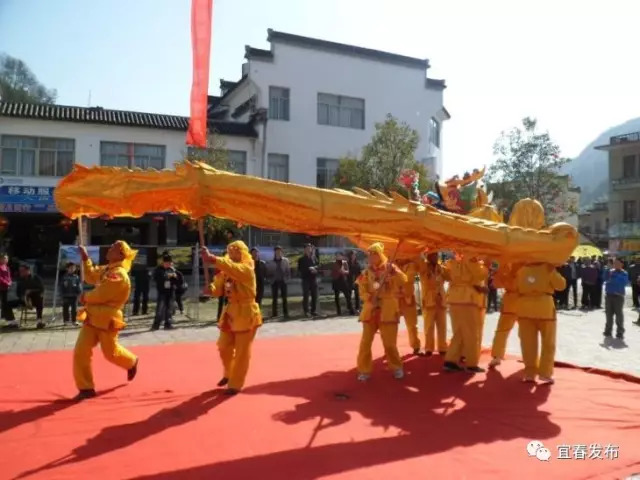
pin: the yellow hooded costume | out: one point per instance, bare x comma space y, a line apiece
102, 316
408, 306
240, 317
529, 214
379, 285
434, 308
536, 283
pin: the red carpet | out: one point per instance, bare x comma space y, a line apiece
304, 416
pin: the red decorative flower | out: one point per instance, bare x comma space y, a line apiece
408, 178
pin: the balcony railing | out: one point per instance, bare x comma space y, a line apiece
624, 183
626, 138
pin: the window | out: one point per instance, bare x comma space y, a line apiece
434, 132
238, 161
339, 111
279, 103
36, 156
629, 166
629, 213
326, 172
132, 155
278, 167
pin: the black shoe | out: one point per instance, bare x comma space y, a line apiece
155, 327
452, 367
223, 382
84, 394
428, 353
475, 369
169, 326
607, 335
231, 391
133, 371
417, 352
40, 325
620, 337
442, 353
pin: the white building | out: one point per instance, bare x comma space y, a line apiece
297, 109
40, 143
323, 101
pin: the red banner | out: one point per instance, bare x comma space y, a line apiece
201, 17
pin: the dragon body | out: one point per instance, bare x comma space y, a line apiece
409, 227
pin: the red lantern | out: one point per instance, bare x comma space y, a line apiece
65, 223
4, 224
158, 218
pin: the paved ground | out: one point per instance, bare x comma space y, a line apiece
580, 339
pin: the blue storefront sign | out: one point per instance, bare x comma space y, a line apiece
26, 199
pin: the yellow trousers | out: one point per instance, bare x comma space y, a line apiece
467, 324
483, 314
389, 336
504, 327
435, 326
410, 314
529, 330
235, 353
115, 353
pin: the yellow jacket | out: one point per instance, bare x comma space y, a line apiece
237, 282
505, 277
103, 305
463, 277
383, 307
432, 285
407, 292
536, 286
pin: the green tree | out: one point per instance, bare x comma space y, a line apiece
19, 84
217, 156
391, 150
527, 165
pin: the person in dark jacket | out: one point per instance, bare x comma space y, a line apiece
166, 279
142, 283
589, 275
355, 269
260, 269
339, 282
492, 291
308, 268
30, 292
634, 276
70, 288
562, 296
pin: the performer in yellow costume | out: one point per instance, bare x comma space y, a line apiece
241, 316
102, 316
434, 308
505, 278
408, 306
536, 284
379, 285
466, 299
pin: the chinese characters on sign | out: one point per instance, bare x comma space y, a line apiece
17, 198
594, 451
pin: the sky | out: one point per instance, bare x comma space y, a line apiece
571, 64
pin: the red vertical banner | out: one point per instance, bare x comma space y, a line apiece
201, 18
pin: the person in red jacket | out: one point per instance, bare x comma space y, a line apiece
5, 283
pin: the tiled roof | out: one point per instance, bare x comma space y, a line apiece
436, 84
250, 52
99, 115
346, 49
